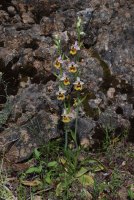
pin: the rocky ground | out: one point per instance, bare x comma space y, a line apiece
29, 113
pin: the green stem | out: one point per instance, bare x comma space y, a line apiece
59, 49
66, 138
76, 126
79, 38
78, 34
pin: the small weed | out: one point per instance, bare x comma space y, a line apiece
131, 192
101, 190
107, 138
5, 192
21, 192
115, 182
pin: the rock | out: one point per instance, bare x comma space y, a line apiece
11, 10
110, 93
85, 127
3, 16
21, 7
85, 142
33, 122
47, 26
7, 56
28, 18
37, 197
113, 37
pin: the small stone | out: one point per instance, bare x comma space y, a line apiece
37, 197
127, 15
123, 163
85, 142
110, 93
27, 18
47, 25
11, 10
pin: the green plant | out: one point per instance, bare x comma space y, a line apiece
58, 169
5, 192
115, 181
108, 130
21, 192
73, 171
98, 189
39, 166
131, 192
112, 186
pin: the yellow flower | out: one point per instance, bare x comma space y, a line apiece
66, 117
74, 48
72, 67
78, 85
73, 51
65, 79
58, 62
61, 94
61, 97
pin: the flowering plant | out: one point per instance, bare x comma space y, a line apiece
68, 74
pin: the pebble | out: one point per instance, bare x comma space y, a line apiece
110, 93
11, 10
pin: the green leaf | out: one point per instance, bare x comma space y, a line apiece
86, 180
48, 178
34, 170
73, 135
56, 42
32, 183
98, 168
62, 160
37, 154
59, 189
57, 76
80, 101
92, 161
52, 164
81, 172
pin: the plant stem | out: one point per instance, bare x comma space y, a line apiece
76, 126
66, 138
79, 39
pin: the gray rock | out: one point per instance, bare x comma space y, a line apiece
34, 118
11, 10
27, 18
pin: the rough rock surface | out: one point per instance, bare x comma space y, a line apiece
33, 121
27, 52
